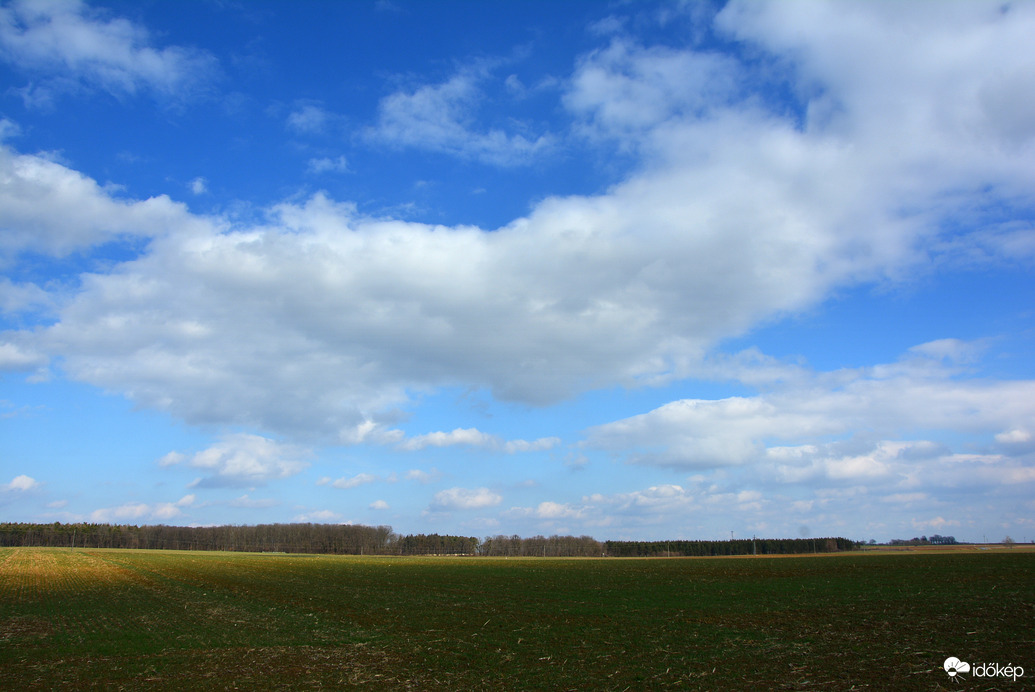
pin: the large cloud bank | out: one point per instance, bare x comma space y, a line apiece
747, 205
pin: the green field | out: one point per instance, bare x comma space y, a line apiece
189, 620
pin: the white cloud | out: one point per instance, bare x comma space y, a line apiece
625, 91
320, 516
323, 165
460, 436
1016, 441
556, 510
198, 186
617, 511
423, 477
141, 511
877, 63
248, 502
243, 459
355, 481
320, 322
309, 117
464, 498
69, 41
475, 438
917, 393
22, 483
15, 357
171, 459
667, 496
379, 505
8, 129
171, 510
541, 444
50, 208
440, 117
24, 297
126, 512
937, 523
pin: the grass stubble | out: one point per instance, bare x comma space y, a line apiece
122, 619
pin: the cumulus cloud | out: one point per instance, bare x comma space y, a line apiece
917, 393
320, 516
550, 510
473, 437
625, 91
868, 66
243, 460
24, 298
48, 207
138, 511
73, 45
464, 498
18, 358
320, 322
22, 483
1015, 441
440, 117
656, 504
459, 436
423, 477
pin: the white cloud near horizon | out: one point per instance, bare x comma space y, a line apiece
320, 516
242, 459
136, 511
464, 499
918, 393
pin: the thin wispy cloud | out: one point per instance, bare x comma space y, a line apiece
441, 118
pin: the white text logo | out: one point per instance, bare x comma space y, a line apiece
953, 666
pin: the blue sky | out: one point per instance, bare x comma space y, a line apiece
636, 271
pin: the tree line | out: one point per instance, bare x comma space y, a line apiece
745, 546
354, 539
541, 546
279, 538
924, 540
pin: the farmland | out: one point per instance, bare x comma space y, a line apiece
179, 619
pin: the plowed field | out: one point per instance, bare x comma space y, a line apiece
121, 619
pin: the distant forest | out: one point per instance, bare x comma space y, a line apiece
345, 539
